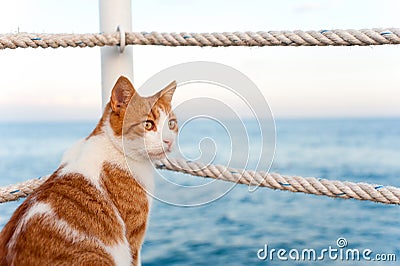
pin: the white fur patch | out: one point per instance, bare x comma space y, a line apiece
70, 233
87, 157
121, 253
39, 208
166, 133
139, 258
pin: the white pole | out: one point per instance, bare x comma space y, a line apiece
114, 13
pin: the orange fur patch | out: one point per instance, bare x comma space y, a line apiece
131, 201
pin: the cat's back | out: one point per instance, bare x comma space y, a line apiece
67, 221
71, 221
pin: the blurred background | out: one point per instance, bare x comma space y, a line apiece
336, 108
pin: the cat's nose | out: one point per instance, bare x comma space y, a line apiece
168, 142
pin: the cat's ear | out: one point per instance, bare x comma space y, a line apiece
121, 94
165, 95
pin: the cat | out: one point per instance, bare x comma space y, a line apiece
94, 209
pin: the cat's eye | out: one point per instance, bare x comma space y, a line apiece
148, 125
172, 124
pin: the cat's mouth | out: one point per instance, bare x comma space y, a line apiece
157, 155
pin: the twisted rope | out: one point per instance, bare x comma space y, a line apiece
20, 190
261, 38
308, 185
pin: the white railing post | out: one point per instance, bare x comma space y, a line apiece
114, 62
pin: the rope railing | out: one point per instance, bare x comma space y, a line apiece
363, 37
309, 185
331, 188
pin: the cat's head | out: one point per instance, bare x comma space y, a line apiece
146, 125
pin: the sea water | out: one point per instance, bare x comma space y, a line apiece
234, 228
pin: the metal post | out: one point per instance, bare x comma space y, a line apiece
114, 62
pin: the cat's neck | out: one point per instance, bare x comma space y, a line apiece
89, 155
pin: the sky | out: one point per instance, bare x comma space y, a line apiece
297, 82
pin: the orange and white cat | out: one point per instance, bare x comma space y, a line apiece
94, 209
